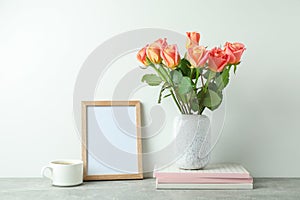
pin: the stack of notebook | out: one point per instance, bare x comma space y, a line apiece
214, 176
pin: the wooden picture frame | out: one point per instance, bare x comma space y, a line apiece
109, 151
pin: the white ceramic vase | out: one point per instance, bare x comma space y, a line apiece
193, 143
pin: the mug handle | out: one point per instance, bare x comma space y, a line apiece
44, 170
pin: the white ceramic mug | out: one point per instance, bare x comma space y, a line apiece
64, 172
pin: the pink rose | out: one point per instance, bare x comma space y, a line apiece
217, 59
171, 56
153, 51
235, 51
142, 57
193, 39
197, 56
161, 42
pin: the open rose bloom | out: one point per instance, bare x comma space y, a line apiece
195, 80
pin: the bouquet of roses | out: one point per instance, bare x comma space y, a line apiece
194, 81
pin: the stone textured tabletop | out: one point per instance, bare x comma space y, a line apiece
37, 188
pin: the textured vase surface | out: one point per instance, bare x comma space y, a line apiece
193, 143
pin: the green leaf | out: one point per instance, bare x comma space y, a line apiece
185, 86
211, 99
152, 79
206, 74
216, 106
184, 67
213, 86
223, 80
209, 74
176, 76
200, 96
234, 69
195, 105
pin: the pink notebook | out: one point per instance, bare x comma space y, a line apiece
220, 171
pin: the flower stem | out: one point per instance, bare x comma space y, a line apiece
197, 77
159, 73
165, 80
184, 107
169, 80
176, 102
202, 81
188, 104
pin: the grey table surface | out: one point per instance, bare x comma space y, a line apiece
38, 188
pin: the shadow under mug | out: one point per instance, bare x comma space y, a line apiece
64, 172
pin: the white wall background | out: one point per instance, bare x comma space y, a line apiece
44, 43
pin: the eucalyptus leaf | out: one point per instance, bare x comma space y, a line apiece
209, 75
211, 99
216, 106
152, 79
223, 80
213, 86
206, 74
195, 105
200, 96
185, 86
176, 76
